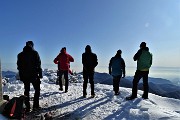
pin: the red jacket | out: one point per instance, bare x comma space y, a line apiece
64, 59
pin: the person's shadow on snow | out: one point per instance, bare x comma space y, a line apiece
129, 110
82, 111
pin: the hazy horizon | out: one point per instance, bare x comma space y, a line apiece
170, 73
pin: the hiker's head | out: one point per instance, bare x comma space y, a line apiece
143, 45
119, 52
63, 50
30, 44
88, 49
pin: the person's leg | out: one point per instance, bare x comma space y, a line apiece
137, 77
66, 80
91, 81
36, 84
26, 93
85, 77
116, 81
145, 84
60, 80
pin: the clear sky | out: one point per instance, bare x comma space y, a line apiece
106, 25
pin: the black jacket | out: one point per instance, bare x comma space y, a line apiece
89, 61
29, 64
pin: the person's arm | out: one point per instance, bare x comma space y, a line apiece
95, 60
71, 59
56, 60
39, 65
137, 55
18, 62
151, 59
110, 65
123, 68
84, 61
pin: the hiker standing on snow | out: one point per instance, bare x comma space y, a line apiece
63, 60
89, 61
29, 66
116, 69
144, 62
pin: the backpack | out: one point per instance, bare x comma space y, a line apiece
15, 108
144, 61
116, 66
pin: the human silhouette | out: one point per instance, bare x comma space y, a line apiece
89, 61
63, 60
144, 62
29, 66
117, 69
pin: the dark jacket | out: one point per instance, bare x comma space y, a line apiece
117, 66
143, 58
29, 64
89, 61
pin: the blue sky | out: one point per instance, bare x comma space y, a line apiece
106, 25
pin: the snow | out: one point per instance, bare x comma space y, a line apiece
105, 105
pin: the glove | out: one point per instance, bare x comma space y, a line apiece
123, 76
40, 75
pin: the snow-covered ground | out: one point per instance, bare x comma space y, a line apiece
105, 105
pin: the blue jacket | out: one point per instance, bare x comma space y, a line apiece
117, 66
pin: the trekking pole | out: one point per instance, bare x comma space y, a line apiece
1, 91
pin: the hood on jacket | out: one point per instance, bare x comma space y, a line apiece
88, 49
63, 50
27, 49
118, 54
145, 48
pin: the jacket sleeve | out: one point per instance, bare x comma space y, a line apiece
151, 59
83, 59
18, 62
71, 59
56, 60
137, 55
95, 60
110, 65
123, 66
39, 69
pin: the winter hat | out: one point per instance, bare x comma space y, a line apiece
119, 52
63, 49
143, 44
88, 48
30, 43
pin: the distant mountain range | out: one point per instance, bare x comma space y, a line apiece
157, 86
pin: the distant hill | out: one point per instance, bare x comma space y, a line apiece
157, 86
8, 74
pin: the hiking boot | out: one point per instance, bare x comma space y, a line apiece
117, 93
28, 110
130, 98
37, 108
92, 96
144, 97
61, 89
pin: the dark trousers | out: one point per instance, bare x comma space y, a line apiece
65, 73
116, 81
138, 75
86, 76
36, 84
